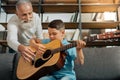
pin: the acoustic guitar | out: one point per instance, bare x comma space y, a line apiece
53, 58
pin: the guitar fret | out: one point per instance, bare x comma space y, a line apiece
117, 33
91, 38
74, 44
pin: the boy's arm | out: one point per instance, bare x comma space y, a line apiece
80, 56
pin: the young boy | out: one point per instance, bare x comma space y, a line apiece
56, 30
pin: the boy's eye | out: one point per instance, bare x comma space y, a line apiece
54, 33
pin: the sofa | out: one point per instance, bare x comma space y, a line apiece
100, 64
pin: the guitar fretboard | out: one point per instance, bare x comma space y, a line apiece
73, 44
65, 47
90, 38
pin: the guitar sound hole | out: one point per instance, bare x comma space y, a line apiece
39, 62
47, 54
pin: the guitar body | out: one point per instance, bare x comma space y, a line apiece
27, 71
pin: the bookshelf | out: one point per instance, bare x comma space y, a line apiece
86, 8
62, 8
99, 8
95, 7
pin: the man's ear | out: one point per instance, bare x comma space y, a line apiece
16, 12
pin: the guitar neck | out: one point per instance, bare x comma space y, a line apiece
90, 38
73, 44
65, 47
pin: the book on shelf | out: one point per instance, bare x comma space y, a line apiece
75, 16
69, 34
105, 17
76, 35
94, 15
71, 19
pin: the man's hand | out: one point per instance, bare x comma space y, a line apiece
26, 52
35, 43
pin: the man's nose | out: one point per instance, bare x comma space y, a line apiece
28, 18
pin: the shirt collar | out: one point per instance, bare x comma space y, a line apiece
64, 41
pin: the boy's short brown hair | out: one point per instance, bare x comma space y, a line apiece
58, 24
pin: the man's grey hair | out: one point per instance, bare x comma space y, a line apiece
19, 2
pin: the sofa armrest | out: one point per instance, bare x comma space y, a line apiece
6, 66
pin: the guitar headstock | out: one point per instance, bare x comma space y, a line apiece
104, 36
109, 35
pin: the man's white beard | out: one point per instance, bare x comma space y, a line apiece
26, 25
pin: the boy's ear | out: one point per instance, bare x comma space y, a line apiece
63, 31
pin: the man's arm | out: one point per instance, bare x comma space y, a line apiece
39, 47
12, 36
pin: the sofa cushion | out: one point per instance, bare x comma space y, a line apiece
100, 63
